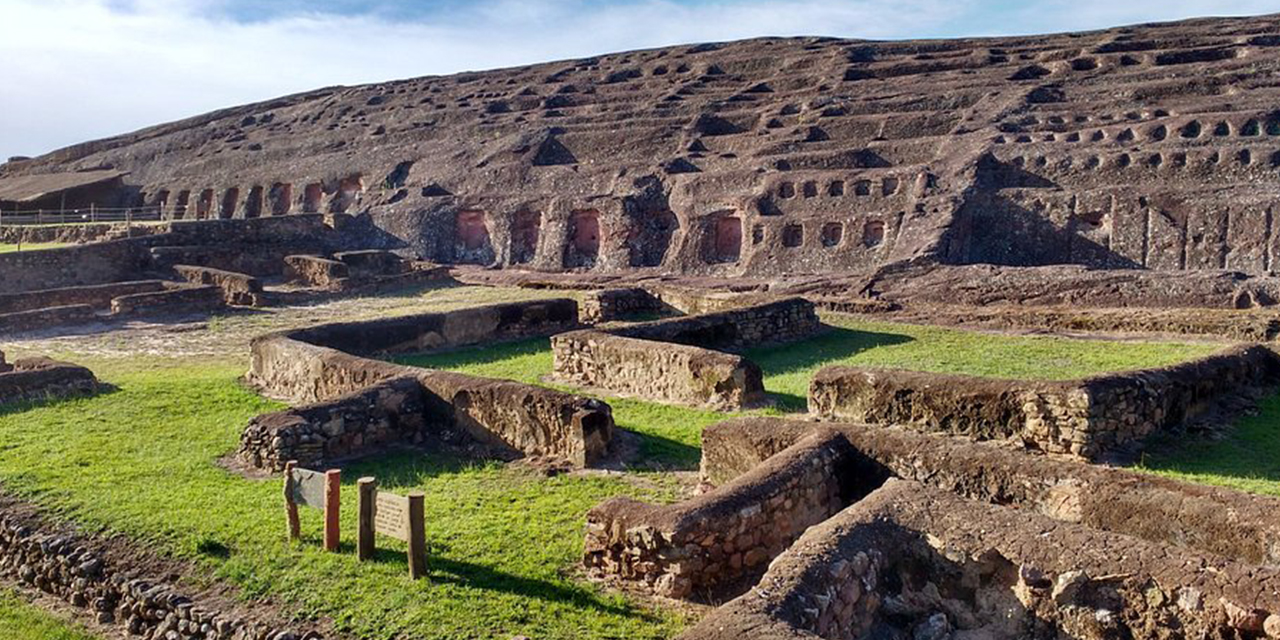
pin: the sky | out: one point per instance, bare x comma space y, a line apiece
77, 70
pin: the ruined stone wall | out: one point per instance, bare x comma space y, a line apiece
371, 262
85, 574
1089, 418
36, 379
385, 413
237, 288
1107, 498
314, 271
77, 233
676, 360
256, 247
524, 418
658, 371
178, 299
48, 317
909, 559
98, 296
735, 329
72, 266
614, 304
723, 539
431, 331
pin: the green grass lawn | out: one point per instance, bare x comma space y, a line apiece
36, 246
505, 542
1245, 458
20, 620
141, 461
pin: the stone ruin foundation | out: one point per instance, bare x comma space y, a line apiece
845, 530
1092, 419
688, 366
358, 404
41, 379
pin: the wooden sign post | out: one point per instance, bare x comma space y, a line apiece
316, 490
365, 504
394, 516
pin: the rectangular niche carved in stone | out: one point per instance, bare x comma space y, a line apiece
793, 235
583, 246
471, 238
525, 227
725, 241
832, 233
873, 233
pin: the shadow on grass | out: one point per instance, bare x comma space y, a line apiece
837, 343
1246, 456
104, 389
665, 454
469, 574
476, 355
806, 356
407, 468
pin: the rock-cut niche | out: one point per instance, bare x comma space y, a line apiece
471, 238
526, 225
583, 246
724, 240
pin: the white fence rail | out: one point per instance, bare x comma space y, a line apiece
82, 216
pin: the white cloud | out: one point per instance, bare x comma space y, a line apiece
76, 70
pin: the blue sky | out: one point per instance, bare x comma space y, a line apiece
83, 69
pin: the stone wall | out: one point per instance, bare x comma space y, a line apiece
1091, 418
658, 371
85, 574
914, 561
312, 365
98, 296
736, 329
371, 262
723, 539
237, 288
36, 379
77, 233
176, 300
389, 412
45, 318
614, 304
255, 246
448, 330
678, 360
96, 263
314, 271
1209, 519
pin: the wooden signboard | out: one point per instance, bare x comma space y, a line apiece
391, 516
316, 490
394, 516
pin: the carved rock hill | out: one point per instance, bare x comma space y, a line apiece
1151, 146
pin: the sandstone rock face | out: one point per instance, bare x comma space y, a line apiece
1150, 146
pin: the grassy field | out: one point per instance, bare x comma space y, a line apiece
20, 620
141, 461
1246, 457
10, 248
505, 542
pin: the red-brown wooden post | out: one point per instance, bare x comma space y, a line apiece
332, 502
291, 507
